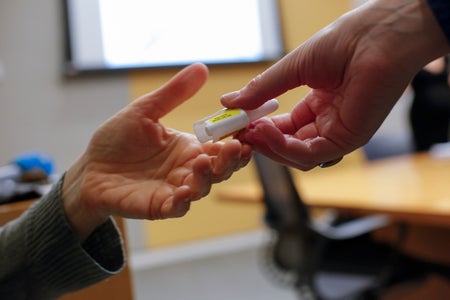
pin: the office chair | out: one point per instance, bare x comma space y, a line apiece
321, 260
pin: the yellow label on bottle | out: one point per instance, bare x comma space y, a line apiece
228, 113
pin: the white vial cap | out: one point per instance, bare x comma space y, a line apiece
265, 109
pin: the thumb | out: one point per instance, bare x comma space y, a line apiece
178, 89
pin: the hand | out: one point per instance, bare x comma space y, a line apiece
357, 68
135, 167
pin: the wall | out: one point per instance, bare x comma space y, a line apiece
235, 275
40, 109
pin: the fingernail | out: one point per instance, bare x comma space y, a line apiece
330, 163
230, 96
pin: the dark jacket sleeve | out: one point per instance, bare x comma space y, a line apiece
42, 258
441, 10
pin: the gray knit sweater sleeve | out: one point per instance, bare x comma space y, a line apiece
41, 257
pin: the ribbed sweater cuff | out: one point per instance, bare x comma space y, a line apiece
58, 259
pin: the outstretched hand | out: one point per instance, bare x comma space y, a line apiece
357, 67
136, 168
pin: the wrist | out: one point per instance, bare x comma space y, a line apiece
408, 30
81, 214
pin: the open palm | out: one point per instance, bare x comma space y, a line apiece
135, 167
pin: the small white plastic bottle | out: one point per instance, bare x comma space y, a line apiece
229, 121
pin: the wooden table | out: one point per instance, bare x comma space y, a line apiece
410, 188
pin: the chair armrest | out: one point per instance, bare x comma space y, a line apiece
351, 229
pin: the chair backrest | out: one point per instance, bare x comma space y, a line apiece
294, 250
284, 204
297, 253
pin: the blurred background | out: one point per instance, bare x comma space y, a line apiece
215, 252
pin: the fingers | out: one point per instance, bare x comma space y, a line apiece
306, 154
178, 89
218, 164
179, 205
232, 157
273, 82
200, 180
